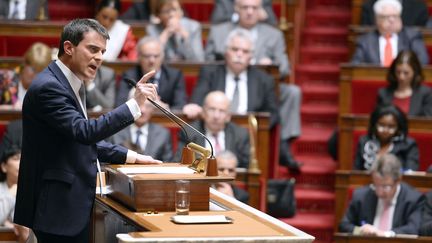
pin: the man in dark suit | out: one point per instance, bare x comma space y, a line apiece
145, 136
170, 81
390, 36
61, 147
216, 125
227, 164
386, 207
138, 11
414, 12
24, 9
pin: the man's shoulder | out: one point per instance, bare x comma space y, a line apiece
268, 29
222, 27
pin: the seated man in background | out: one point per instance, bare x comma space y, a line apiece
414, 12
13, 87
223, 10
216, 126
381, 46
227, 164
146, 137
386, 207
170, 81
426, 226
22, 9
100, 92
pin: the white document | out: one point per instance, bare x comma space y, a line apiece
156, 170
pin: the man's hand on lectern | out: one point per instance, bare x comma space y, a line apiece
146, 160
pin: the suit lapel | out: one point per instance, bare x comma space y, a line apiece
150, 135
252, 90
63, 80
229, 138
220, 78
376, 49
370, 206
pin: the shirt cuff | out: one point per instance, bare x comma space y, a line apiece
91, 86
131, 157
134, 108
389, 233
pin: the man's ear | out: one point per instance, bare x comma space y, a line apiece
68, 47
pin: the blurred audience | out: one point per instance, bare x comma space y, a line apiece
12, 136
216, 125
10, 161
405, 86
426, 226
139, 10
122, 42
14, 85
268, 41
170, 81
22, 9
100, 92
223, 10
250, 90
146, 137
227, 164
381, 46
387, 133
414, 12
181, 36
386, 207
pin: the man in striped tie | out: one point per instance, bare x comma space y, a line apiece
387, 206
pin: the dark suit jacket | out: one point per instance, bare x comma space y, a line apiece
426, 226
240, 194
362, 209
420, 104
57, 175
158, 142
261, 92
32, 9
367, 47
12, 136
414, 12
138, 11
171, 86
406, 151
224, 9
236, 141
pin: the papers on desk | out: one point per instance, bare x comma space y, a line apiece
156, 170
201, 219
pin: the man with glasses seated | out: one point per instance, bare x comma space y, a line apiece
386, 207
227, 164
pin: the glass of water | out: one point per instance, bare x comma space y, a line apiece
182, 197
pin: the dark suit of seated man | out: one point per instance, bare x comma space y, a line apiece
61, 147
227, 164
387, 206
216, 125
426, 226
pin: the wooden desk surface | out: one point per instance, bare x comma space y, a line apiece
247, 225
348, 238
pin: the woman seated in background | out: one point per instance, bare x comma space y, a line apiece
405, 89
122, 42
10, 160
387, 133
14, 85
181, 36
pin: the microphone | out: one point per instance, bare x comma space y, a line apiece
173, 117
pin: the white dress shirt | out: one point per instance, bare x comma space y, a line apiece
21, 8
382, 43
144, 134
242, 87
380, 208
220, 138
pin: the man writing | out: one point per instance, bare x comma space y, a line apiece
61, 146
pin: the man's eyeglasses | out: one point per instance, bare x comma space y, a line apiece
230, 170
385, 188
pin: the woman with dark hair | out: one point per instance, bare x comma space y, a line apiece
8, 185
122, 42
406, 89
387, 133
181, 36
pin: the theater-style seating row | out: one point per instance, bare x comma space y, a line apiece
359, 84
351, 127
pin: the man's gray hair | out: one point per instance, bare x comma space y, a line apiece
149, 39
378, 6
387, 165
241, 33
226, 154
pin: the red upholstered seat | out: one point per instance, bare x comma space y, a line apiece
17, 45
364, 95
